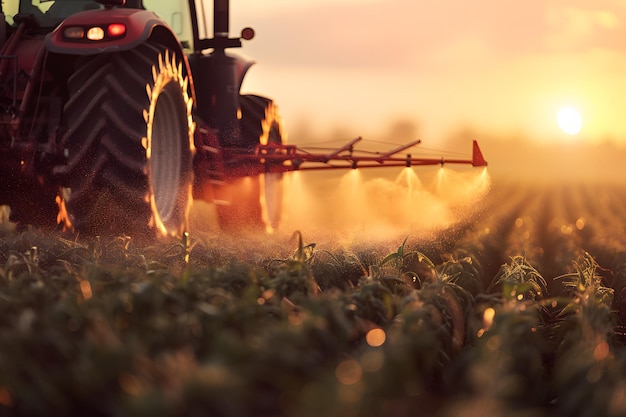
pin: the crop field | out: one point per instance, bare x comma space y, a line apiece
506, 300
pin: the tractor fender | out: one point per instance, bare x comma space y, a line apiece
242, 65
141, 25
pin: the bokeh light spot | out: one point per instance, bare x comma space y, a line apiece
375, 337
348, 372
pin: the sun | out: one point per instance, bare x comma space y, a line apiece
570, 120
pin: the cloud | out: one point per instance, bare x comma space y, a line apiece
576, 28
503, 65
406, 33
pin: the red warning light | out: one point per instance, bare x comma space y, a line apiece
115, 30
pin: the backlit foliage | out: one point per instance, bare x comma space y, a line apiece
208, 326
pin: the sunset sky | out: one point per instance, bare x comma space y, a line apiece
502, 66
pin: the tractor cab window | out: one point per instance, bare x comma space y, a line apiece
10, 8
204, 10
48, 13
176, 14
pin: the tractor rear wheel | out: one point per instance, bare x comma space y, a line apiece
129, 144
255, 202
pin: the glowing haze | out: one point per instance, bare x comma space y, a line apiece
359, 204
343, 208
503, 66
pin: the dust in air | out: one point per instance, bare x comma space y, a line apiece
343, 208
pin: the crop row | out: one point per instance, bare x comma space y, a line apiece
469, 323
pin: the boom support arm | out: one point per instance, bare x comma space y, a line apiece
285, 158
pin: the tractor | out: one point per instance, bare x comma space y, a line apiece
116, 114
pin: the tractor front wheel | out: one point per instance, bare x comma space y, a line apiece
129, 144
254, 203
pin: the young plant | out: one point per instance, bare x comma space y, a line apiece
589, 364
505, 367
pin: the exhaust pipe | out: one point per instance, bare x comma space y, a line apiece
221, 18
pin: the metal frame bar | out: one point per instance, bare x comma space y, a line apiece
15, 71
285, 158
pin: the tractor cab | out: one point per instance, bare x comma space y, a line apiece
199, 25
47, 13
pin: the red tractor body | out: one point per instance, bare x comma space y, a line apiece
131, 28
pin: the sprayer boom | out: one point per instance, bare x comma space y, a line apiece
284, 158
